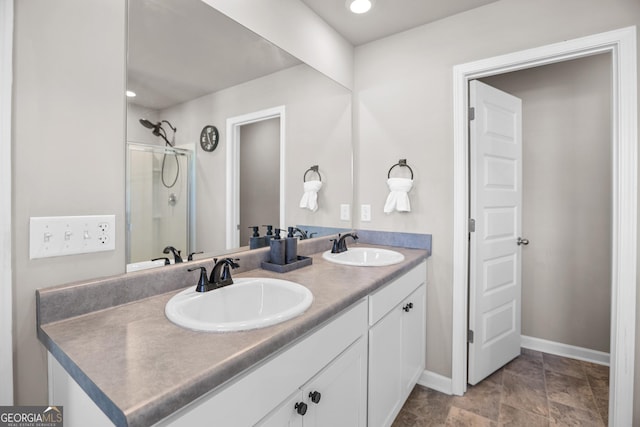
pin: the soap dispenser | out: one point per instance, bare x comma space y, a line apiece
255, 241
269, 235
291, 247
277, 249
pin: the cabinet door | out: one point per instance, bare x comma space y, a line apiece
385, 368
284, 415
337, 396
413, 339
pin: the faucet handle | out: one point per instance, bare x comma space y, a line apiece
203, 282
190, 257
166, 260
334, 247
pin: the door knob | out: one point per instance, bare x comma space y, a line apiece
522, 241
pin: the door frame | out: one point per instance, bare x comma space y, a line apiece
233, 168
621, 44
6, 299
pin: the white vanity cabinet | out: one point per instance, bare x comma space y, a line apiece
397, 337
356, 369
336, 396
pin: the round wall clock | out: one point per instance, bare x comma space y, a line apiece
209, 138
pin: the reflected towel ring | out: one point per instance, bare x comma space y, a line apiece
313, 168
401, 163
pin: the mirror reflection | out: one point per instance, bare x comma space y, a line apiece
194, 70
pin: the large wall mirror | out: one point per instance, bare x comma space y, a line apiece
191, 67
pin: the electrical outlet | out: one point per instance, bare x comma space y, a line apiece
345, 212
69, 235
365, 213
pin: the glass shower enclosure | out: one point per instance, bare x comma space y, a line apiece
160, 205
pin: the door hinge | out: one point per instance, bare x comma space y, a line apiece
470, 336
472, 113
472, 225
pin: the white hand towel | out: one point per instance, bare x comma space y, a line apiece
398, 198
310, 197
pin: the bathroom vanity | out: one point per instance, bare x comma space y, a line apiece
351, 359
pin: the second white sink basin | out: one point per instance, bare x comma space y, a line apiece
249, 303
365, 257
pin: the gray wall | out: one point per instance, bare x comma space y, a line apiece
403, 109
318, 132
68, 151
567, 178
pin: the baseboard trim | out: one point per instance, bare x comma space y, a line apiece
435, 382
565, 350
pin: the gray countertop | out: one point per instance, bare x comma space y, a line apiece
139, 367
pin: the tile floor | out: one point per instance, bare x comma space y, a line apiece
536, 389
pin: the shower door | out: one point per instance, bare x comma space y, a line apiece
160, 201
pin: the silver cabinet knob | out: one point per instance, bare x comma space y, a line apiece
522, 241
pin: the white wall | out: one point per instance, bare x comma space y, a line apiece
6, 271
318, 132
403, 109
566, 209
68, 151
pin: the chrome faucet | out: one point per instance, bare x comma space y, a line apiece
176, 254
340, 244
219, 279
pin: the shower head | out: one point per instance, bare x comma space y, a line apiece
157, 129
146, 123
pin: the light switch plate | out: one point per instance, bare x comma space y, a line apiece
69, 235
345, 212
365, 213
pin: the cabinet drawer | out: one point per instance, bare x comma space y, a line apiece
383, 300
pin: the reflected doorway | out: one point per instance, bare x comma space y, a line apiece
259, 176
234, 129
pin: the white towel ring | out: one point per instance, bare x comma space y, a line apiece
401, 163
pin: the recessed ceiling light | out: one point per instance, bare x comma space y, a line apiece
131, 94
360, 6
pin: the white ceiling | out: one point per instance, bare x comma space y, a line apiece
387, 17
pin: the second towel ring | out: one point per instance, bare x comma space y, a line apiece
313, 168
401, 163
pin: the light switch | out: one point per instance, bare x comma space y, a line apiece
68, 235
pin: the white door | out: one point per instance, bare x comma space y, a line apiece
495, 135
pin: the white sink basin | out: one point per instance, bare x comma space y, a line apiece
365, 257
249, 303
